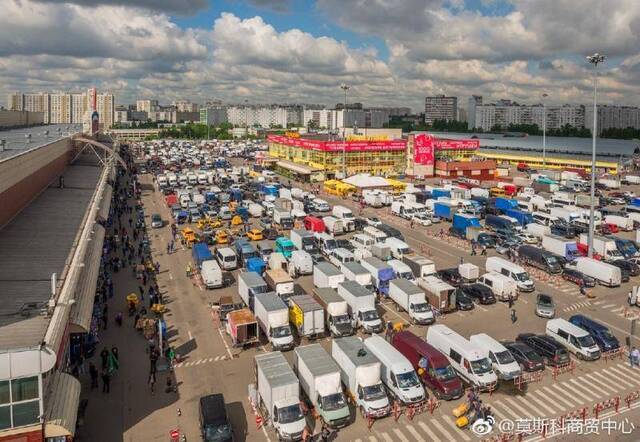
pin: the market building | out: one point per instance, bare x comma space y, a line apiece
323, 158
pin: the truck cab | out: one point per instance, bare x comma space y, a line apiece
285, 246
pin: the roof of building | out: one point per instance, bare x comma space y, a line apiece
36, 244
364, 180
296, 167
17, 141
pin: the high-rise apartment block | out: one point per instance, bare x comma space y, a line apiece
504, 113
440, 107
213, 116
474, 101
612, 117
147, 106
186, 106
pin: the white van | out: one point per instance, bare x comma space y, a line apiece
339, 256
502, 286
226, 258
543, 218
173, 180
326, 242
182, 180
605, 273
466, 358
398, 247
185, 200
378, 235
513, 271
401, 269
502, 360
575, 339
162, 181
211, 274
362, 241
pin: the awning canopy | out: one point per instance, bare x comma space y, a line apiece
62, 399
298, 168
105, 202
82, 309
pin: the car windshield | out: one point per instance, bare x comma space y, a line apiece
289, 414
586, 341
281, 332
606, 334
342, 319
374, 220
504, 357
421, 308
333, 402
216, 433
374, 392
331, 244
481, 366
522, 277
407, 380
552, 260
370, 315
289, 248
445, 373
545, 301
405, 251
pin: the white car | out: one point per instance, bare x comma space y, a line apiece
527, 238
423, 220
373, 221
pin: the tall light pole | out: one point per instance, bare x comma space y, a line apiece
544, 130
345, 88
594, 59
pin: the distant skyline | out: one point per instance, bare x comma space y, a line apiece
391, 52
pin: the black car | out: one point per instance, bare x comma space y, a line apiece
578, 278
214, 423
479, 293
551, 351
463, 301
391, 232
525, 356
450, 276
627, 268
345, 244
360, 223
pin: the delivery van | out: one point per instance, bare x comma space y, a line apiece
574, 339
504, 364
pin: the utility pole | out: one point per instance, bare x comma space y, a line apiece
594, 59
345, 88
544, 130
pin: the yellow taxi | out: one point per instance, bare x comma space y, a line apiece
255, 235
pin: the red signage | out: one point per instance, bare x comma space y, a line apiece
423, 149
339, 146
444, 144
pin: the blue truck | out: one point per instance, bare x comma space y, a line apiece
521, 216
236, 195
461, 221
437, 193
381, 274
496, 222
256, 265
504, 204
444, 210
201, 253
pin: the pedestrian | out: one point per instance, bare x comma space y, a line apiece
104, 357
168, 248
81, 364
514, 318
152, 381
634, 357
473, 249
106, 381
93, 373
583, 291
170, 388
510, 301
484, 251
412, 223
157, 267
135, 320
461, 260
114, 353
144, 278
105, 321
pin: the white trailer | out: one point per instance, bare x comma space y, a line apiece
353, 271
272, 315
410, 298
362, 306
327, 275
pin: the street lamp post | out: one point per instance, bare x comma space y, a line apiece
594, 59
345, 88
544, 130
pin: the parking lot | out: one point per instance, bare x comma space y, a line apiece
211, 364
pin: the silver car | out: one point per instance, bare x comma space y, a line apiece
545, 307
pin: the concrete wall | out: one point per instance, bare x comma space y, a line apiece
20, 118
24, 176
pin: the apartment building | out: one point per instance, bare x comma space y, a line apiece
440, 107
147, 106
612, 117
504, 113
60, 108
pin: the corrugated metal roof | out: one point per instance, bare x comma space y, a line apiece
62, 399
276, 369
18, 141
317, 360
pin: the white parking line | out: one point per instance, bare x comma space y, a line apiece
611, 376
415, 433
603, 385
591, 386
443, 430
386, 437
540, 403
517, 406
504, 406
626, 375
457, 430
431, 434
571, 393
400, 436
557, 396
578, 387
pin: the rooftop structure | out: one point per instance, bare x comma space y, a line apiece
17, 141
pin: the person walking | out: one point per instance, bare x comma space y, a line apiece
93, 373
510, 301
583, 291
104, 356
152, 381
81, 364
484, 251
106, 381
514, 317
634, 357
473, 249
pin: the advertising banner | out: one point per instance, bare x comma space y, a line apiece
423, 148
339, 146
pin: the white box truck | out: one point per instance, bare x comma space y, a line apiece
605, 247
411, 298
360, 374
319, 377
346, 215
622, 222
362, 306
511, 270
306, 315
336, 312
279, 395
272, 315
420, 266
326, 275
396, 371
561, 246
250, 284
333, 225
280, 282
441, 295
303, 240
353, 271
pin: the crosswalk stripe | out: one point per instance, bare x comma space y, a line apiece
608, 305
573, 391
400, 435
627, 376
633, 373
510, 411
586, 392
497, 412
358, 440
443, 430
457, 430
557, 396
539, 402
431, 434
602, 384
608, 379
415, 433
598, 302
373, 439
592, 386
515, 405
386, 437
616, 310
